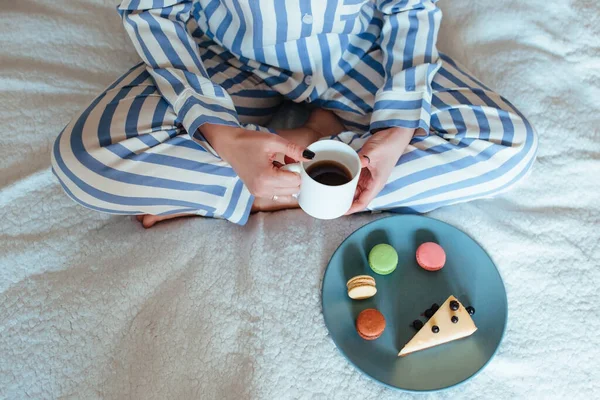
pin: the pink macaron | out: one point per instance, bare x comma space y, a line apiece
431, 256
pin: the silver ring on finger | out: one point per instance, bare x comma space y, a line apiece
275, 197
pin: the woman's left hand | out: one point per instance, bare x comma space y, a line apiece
378, 157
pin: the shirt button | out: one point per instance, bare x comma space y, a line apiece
307, 19
308, 80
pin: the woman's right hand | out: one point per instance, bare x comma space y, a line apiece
251, 155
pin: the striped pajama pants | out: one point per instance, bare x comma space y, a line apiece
127, 153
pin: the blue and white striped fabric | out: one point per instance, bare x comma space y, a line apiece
137, 148
300, 48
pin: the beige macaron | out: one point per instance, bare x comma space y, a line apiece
361, 287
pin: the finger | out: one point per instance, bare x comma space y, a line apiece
364, 161
363, 200
286, 191
285, 200
357, 192
290, 149
357, 206
365, 158
283, 178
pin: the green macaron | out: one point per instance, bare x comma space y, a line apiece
383, 259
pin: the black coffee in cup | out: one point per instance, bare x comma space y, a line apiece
329, 173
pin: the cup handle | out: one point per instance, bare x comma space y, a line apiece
294, 167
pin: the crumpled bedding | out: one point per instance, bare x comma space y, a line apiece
93, 306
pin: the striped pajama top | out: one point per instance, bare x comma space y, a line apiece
300, 48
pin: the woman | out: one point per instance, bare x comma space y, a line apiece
182, 133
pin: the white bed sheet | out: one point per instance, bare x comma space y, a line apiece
93, 306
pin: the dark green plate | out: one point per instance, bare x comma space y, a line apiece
402, 296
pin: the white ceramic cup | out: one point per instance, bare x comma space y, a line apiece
324, 201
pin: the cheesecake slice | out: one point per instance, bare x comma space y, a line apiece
441, 329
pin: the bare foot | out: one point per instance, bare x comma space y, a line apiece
148, 220
321, 123
324, 123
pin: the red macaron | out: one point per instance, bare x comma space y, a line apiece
370, 324
431, 256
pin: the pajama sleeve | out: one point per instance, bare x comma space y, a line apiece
159, 33
410, 61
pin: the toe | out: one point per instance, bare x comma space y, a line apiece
140, 218
149, 221
325, 122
